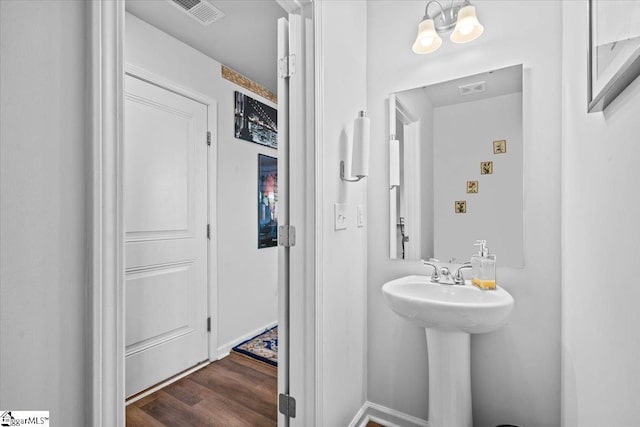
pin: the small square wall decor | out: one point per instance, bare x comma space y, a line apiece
486, 168
500, 147
472, 187
461, 206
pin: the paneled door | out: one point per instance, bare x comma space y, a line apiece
165, 219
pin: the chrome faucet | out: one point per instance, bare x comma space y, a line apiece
446, 273
435, 277
458, 279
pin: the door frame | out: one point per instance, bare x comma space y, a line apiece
212, 175
105, 296
104, 340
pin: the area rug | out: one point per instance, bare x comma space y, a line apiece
263, 347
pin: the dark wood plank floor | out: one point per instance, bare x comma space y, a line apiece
374, 424
235, 391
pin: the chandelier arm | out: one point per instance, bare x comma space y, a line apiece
426, 9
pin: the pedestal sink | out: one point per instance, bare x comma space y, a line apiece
449, 313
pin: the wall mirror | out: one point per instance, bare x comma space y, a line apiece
456, 169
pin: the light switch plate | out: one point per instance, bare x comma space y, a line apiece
340, 219
360, 216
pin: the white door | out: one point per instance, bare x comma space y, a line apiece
294, 202
283, 218
165, 218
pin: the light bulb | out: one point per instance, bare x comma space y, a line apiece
466, 27
426, 41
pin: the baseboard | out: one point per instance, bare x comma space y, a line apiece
225, 349
385, 416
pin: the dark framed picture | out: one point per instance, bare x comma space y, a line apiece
267, 201
255, 121
613, 51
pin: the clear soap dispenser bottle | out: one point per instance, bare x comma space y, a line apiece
483, 267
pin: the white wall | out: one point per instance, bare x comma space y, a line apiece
463, 138
600, 249
343, 94
516, 370
43, 207
247, 277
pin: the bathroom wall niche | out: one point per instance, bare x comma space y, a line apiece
456, 163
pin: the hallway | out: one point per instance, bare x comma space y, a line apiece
234, 391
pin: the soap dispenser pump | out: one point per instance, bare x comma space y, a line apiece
483, 267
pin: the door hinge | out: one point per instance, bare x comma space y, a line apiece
287, 405
209, 324
209, 231
287, 236
209, 138
287, 66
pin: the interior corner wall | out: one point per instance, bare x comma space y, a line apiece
43, 205
247, 276
515, 370
600, 249
342, 52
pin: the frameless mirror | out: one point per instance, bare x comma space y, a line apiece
456, 163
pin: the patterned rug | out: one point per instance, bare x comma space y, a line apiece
263, 347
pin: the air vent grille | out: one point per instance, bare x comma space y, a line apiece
200, 10
187, 4
472, 88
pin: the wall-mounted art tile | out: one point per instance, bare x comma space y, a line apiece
500, 147
486, 168
472, 187
461, 206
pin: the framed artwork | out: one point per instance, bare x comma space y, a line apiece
613, 51
472, 187
499, 147
461, 206
486, 168
267, 201
255, 121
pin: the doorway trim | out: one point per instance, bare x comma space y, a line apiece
105, 297
105, 334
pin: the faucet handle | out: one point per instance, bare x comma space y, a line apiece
435, 277
458, 279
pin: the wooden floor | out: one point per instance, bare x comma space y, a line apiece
234, 391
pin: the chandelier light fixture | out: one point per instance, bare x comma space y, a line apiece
461, 17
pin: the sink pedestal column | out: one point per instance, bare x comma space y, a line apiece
449, 378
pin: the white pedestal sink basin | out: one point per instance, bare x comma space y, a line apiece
449, 313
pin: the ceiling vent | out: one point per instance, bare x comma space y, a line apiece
472, 88
200, 10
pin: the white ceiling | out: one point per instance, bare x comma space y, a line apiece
498, 82
244, 39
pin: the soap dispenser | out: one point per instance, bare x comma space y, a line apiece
483, 267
